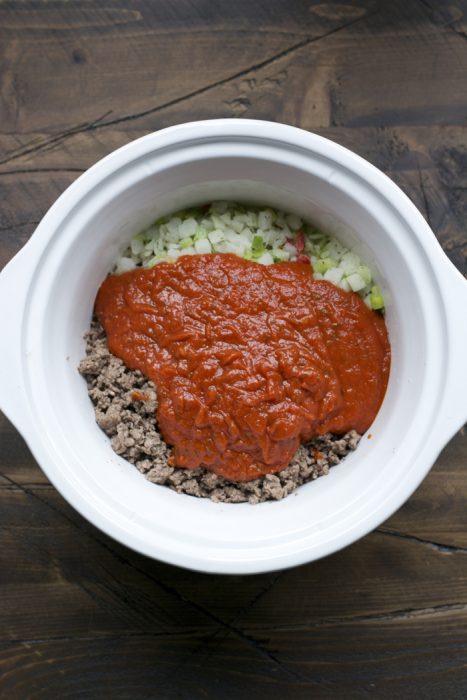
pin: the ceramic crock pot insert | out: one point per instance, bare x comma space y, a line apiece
47, 293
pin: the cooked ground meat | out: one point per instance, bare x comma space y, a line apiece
125, 402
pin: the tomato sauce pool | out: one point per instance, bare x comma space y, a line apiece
249, 360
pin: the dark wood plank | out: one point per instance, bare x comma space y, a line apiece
366, 659
90, 588
437, 510
420, 656
301, 71
38, 526
136, 50
378, 577
391, 588
166, 667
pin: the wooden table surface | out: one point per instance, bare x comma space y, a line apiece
81, 616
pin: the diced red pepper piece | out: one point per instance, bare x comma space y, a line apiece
303, 259
300, 241
137, 395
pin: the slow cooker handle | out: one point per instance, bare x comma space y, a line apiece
454, 412
14, 279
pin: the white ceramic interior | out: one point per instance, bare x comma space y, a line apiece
46, 299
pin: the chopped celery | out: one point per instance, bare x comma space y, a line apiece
323, 265
262, 234
257, 245
280, 255
376, 298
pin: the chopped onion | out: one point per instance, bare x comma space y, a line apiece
125, 265
266, 259
334, 275
263, 235
203, 246
356, 282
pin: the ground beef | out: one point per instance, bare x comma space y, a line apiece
125, 402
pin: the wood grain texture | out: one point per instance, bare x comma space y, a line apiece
80, 615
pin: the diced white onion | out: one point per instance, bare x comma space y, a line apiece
349, 262
334, 275
356, 282
187, 228
266, 259
216, 236
125, 265
264, 235
343, 284
137, 246
203, 246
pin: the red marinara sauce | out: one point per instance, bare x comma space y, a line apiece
249, 360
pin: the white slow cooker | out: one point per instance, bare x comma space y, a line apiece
46, 299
